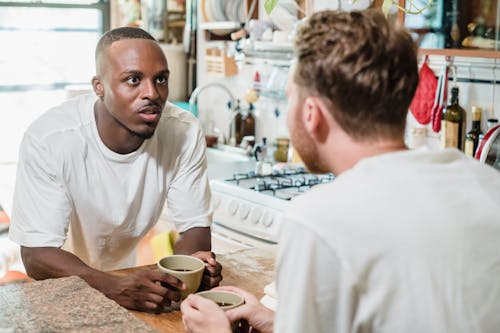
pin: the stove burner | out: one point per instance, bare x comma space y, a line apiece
284, 184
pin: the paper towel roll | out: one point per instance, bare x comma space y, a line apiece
178, 76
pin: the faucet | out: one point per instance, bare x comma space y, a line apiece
193, 101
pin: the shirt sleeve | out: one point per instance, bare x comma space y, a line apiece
188, 198
308, 274
41, 207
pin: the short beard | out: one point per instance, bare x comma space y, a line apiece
306, 148
144, 136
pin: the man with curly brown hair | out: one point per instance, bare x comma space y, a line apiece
393, 244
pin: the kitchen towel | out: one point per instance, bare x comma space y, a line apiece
423, 100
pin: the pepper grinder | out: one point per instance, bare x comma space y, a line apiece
262, 167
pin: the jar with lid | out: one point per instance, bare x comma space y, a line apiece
282, 147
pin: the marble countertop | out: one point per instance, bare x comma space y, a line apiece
69, 304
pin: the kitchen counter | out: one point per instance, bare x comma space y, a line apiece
248, 269
223, 163
69, 304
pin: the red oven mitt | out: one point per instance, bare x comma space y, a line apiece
421, 105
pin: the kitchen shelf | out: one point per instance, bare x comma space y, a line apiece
220, 25
472, 53
220, 30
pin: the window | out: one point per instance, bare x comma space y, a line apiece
49, 44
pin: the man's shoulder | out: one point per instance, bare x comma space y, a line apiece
177, 125
62, 119
173, 114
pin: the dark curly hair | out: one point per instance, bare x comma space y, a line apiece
363, 67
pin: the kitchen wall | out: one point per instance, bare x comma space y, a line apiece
212, 102
478, 80
475, 81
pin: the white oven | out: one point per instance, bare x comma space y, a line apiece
248, 207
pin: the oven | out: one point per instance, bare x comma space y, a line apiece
248, 206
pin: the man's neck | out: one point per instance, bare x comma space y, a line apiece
112, 134
349, 152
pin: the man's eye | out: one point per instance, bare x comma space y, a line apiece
162, 80
133, 80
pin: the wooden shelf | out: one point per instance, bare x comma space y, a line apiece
473, 53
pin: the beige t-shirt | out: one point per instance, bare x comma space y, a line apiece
403, 242
72, 191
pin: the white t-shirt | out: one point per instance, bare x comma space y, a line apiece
402, 242
73, 191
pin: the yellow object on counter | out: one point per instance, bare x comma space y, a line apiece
163, 244
295, 157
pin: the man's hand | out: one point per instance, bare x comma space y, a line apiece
212, 275
201, 315
147, 290
257, 315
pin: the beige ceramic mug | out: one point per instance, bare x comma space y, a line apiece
225, 300
188, 269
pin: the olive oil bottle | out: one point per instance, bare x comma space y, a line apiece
472, 137
453, 123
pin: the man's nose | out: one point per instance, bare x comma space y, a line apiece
150, 90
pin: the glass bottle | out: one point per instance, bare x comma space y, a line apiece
238, 119
490, 123
247, 124
453, 131
472, 137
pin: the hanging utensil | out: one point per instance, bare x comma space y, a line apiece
440, 100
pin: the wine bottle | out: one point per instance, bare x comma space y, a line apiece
238, 123
472, 137
453, 131
247, 123
490, 123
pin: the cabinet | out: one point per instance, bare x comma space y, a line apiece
462, 28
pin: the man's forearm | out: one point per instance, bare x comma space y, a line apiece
193, 240
50, 262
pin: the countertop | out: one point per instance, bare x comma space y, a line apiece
69, 304
250, 269
223, 163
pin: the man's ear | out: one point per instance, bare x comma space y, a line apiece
98, 87
314, 118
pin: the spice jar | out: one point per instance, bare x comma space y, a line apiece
281, 152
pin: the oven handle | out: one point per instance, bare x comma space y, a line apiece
228, 239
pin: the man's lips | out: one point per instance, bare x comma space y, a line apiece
150, 109
150, 113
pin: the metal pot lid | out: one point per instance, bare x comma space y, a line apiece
489, 149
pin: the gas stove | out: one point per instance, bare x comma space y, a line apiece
283, 184
252, 204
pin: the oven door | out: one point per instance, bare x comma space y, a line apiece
225, 240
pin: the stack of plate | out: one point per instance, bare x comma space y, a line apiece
222, 11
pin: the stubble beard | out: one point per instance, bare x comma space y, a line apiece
306, 148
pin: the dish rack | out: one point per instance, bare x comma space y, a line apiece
219, 64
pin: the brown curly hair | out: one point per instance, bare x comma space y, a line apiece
363, 67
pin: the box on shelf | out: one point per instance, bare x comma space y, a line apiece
219, 64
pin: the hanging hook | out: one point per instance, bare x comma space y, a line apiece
492, 107
452, 68
455, 75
